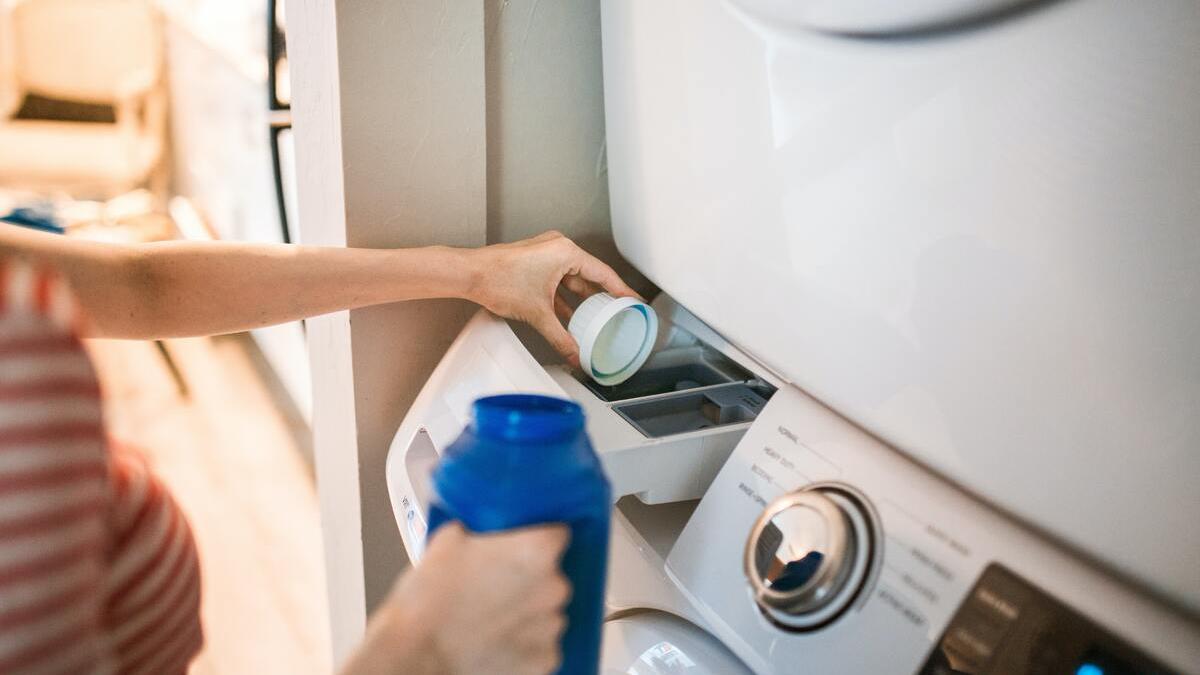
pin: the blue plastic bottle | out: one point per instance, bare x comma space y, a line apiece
526, 460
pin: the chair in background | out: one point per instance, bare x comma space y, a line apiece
8, 89
107, 52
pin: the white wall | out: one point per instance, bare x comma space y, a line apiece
388, 111
545, 124
316, 115
413, 138
398, 146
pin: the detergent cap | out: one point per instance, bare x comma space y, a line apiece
615, 336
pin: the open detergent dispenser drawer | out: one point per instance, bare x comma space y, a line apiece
662, 434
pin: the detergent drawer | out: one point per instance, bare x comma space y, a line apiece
662, 435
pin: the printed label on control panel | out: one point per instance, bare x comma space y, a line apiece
922, 563
802, 458
948, 539
783, 464
902, 606
931, 563
752, 494
919, 588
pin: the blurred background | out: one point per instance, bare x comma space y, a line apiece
148, 120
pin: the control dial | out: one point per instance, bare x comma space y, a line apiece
808, 555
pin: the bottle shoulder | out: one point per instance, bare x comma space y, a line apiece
471, 453
490, 478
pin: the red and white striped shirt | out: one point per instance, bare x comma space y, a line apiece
98, 570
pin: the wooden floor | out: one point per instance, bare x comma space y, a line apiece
235, 461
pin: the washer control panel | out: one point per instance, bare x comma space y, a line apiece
818, 549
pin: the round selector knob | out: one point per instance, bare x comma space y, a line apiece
808, 555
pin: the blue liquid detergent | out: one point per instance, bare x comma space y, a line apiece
526, 460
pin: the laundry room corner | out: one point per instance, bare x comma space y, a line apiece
419, 124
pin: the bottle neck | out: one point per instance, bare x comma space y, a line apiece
526, 418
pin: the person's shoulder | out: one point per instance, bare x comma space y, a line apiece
48, 386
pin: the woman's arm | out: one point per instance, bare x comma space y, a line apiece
183, 288
175, 289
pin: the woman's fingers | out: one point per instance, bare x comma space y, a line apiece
547, 236
521, 276
558, 337
595, 271
580, 286
538, 547
562, 309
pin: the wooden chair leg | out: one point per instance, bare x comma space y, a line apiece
176, 375
159, 183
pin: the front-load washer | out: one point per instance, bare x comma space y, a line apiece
662, 436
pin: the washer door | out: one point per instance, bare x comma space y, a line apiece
655, 643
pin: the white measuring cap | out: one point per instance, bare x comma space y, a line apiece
615, 336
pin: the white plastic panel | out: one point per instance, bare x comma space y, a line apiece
485, 359
980, 245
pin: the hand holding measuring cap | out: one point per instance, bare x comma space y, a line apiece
523, 280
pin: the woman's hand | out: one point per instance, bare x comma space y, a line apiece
488, 603
522, 281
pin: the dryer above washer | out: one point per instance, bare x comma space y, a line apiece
979, 244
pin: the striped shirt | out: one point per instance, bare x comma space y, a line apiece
98, 570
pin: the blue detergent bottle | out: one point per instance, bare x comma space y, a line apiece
526, 460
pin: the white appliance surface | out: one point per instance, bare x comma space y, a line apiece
653, 643
651, 628
934, 546
678, 600
981, 245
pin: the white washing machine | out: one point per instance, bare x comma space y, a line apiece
924, 397
663, 436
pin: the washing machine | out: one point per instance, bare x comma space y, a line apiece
662, 436
924, 394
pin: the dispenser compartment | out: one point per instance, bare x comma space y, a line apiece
716, 407
673, 370
665, 433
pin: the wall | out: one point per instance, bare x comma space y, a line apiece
413, 132
546, 164
388, 112
397, 146
316, 116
